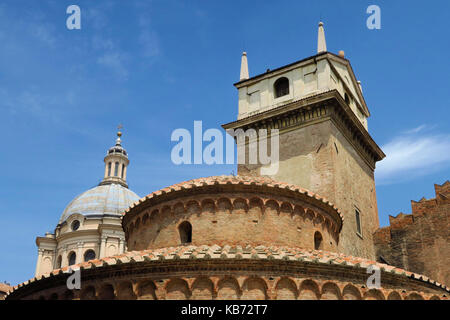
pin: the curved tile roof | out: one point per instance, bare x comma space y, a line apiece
216, 252
110, 199
4, 287
234, 180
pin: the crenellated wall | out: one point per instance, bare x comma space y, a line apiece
420, 242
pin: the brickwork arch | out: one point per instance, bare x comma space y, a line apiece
146, 290
106, 292
88, 293
394, 295
202, 289
309, 290
254, 288
125, 291
330, 291
286, 289
177, 289
350, 292
374, 294
228, 289
414, 296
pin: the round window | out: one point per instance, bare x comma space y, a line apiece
75, 225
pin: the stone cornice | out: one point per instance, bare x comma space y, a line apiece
75, 234
320, 107
45, 240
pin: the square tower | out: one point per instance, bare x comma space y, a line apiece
324, 144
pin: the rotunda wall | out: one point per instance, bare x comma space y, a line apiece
233, 219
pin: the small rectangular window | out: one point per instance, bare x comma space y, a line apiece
358, 222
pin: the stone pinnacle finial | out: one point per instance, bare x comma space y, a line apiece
321, 43
119, 134
244, 67
116, 163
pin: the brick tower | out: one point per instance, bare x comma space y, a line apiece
318, 107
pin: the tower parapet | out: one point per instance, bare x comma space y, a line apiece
319, 110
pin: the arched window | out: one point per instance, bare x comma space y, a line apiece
185, 230
109, 169
318, 241
116, 169
58, 262
123, 169
89, 255
281, 87
72, 258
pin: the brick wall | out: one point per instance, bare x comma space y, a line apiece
321, 159
420, 242
228, 218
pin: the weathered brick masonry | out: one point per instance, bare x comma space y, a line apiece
420, 242
268, 234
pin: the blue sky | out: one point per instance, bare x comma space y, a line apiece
159, 65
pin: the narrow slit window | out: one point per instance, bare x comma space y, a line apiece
358, 222
318, 241
116, 169
123, 170
109, 169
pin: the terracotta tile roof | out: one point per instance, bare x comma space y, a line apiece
238, 252
4, 287
234, 180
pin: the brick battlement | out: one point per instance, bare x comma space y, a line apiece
444, 189
413, 241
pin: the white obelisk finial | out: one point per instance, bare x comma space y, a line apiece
321, 43
244, 67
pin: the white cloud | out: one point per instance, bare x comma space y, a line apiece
116, 62
148, 38
412, 154
44, 33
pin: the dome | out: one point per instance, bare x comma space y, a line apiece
110, 199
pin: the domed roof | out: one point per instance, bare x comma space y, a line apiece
110, 199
